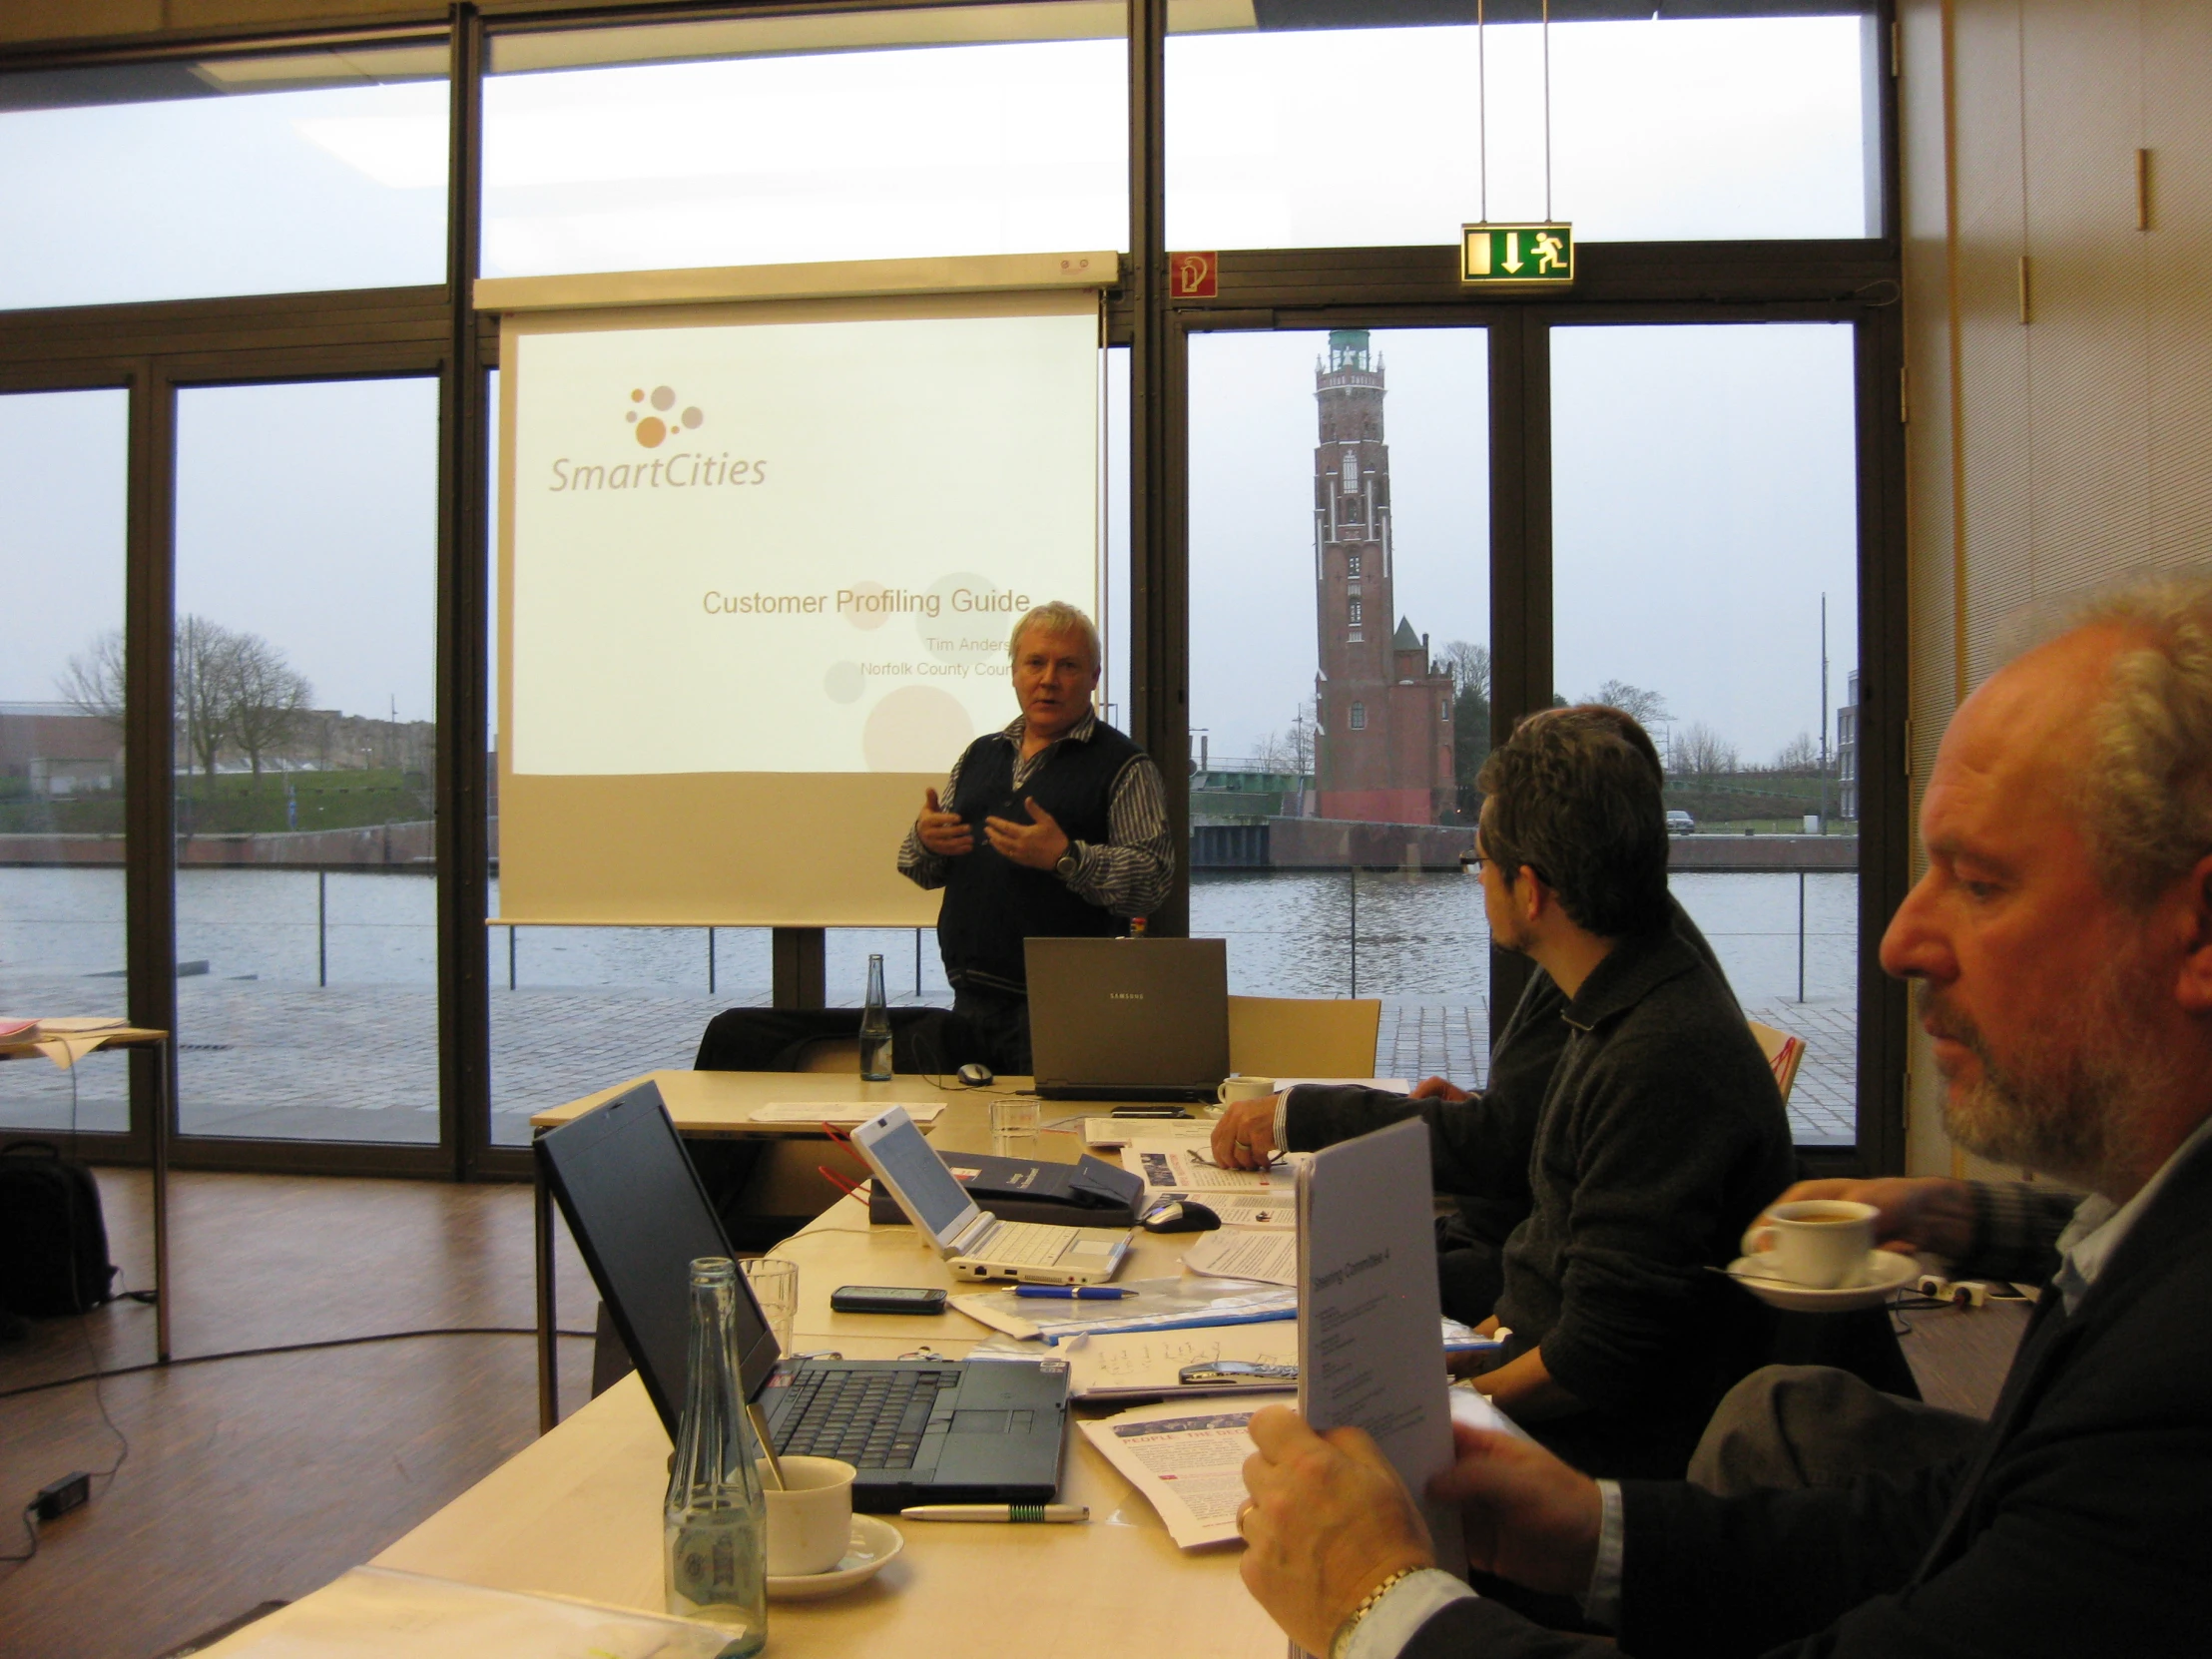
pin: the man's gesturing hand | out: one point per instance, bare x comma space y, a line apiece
1329, 1520
942, 832
1037, 844
1526, 1515
1244, 1134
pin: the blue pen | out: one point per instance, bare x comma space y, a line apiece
1074, 1292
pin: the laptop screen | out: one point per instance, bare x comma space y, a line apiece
640, 1215
915, 1173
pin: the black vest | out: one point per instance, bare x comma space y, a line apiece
991, 904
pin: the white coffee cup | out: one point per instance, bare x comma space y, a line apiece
1820, 1243
809, 1522
1244, 1088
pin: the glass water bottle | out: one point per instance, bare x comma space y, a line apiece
875, 1028
714, 1527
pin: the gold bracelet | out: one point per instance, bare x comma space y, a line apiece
1367, 1606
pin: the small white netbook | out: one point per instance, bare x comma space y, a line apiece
973, 1243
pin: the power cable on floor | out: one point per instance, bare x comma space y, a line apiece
284, 1348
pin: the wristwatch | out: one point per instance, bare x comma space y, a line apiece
1367, 1605
1071, 861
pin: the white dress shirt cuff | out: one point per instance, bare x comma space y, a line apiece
1602, 1602
1406, 1606
1283, 1121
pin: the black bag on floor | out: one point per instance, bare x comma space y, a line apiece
53, 1236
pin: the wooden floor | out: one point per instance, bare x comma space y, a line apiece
258, 1480
261, 1478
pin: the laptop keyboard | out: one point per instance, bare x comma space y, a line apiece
1024, 1244
872, 1419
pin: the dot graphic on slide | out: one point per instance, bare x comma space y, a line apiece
649, 432
664, 397
692, 418
915, 728
631, 417
637, 394
864, 615
843, 681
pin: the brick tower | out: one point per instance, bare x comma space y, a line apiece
1382, 745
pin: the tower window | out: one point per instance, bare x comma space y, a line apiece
1358, 716
1354, 618
1351, 471
1352, 564
1446, 703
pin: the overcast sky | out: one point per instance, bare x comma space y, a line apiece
1703, 479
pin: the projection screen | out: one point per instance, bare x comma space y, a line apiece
758, 565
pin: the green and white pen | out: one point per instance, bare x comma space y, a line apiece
1060, 1512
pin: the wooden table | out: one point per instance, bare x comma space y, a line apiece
137, 1036
578, 1512
711, 1104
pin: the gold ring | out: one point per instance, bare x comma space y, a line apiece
1243, 1509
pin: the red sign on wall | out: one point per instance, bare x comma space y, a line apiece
1194, 275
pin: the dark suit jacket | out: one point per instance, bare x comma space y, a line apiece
2079, 1527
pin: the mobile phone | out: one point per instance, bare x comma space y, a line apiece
1149, 1112
885, 1299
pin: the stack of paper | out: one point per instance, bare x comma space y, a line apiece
1187, 1461
1152, 1304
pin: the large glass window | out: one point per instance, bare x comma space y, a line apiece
306, 930
1340, 674
850, 136
1705, 557
310, 170
63, 477
1330, 134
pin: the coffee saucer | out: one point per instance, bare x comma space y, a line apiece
1885, 1273
873, 1543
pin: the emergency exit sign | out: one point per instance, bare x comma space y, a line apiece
1517, 256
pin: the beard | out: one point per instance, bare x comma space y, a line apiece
2069, 1102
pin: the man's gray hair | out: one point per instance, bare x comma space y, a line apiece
1057, 616
2146, 800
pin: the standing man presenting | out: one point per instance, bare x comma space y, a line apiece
1054, 828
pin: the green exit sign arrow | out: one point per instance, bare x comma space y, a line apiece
1517, 256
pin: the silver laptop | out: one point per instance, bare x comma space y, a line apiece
1128, 1019
976, 1245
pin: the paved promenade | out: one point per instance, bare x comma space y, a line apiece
360, 1062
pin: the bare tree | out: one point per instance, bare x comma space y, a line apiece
203, 683
1800, 754
1646, 707
1470, 665
1298, 745
93, 681
267, 698
1700, 752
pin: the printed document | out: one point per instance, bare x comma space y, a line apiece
1148, 1365
1246, 1253
1183, 1165
1152, 1304
1188, 1463
1242, 1209
1368, 1312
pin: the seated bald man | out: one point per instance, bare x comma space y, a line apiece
2062, 948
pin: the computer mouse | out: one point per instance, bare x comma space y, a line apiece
1179, 1216
976, 1076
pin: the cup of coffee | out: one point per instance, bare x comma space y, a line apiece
809, 1522
1820, 1243
1240, 1087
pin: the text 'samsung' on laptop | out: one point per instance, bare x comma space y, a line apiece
1128, 1019
975, 1243
918, 1431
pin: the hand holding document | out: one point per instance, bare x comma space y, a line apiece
1187, 1461
1368, 1315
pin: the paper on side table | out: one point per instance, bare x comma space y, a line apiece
1265, 1253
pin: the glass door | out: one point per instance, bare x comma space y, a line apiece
306, 736
1340, 629
1705, 558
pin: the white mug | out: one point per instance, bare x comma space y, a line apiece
1820, 1243
1244, 1088
809, 1522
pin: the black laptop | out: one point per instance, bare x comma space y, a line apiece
919, 1430
1128, 1019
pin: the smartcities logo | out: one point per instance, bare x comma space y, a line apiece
652, 430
